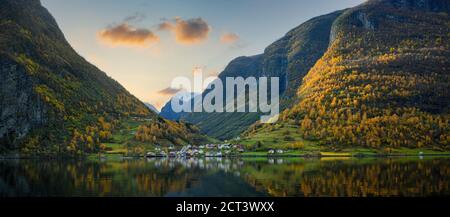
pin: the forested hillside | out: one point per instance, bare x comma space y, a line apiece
52, 100
383, 82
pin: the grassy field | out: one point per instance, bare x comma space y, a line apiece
116, 148
278, 138
287, 137
123, 136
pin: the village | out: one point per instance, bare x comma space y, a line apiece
208, 150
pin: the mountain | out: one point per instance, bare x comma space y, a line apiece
52, 100
151, 107
183, 96
382, 83
289, 58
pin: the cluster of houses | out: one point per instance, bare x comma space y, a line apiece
208, 150
272, 151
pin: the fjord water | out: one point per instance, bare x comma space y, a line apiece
412, 176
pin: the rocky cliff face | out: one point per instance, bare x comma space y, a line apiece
21, 110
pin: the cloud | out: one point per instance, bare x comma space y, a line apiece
165, 26
169, 91
124, 34
136, 17
187, 32
229, 38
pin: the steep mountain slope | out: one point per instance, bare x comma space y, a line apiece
52, 100
226, 125
166, 110
151, 107
289, 58
384, 81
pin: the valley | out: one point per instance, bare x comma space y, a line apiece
362, 90
368, 80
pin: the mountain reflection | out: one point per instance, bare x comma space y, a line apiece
227, 177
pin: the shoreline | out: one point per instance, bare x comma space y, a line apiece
305, 156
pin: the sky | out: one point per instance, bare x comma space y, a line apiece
145, 44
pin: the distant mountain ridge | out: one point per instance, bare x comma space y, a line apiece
289, 58
167, 111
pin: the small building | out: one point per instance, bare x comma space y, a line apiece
238, 146
211, 146
162, 153
195, 152
224, 146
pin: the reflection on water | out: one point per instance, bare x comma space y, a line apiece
227, 177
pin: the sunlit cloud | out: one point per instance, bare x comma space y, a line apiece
166, 26
169, 91
229, 38
126, 35
187, 32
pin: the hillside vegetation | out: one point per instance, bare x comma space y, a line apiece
383, 82
52, 100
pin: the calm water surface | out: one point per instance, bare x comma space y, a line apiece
227, 177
